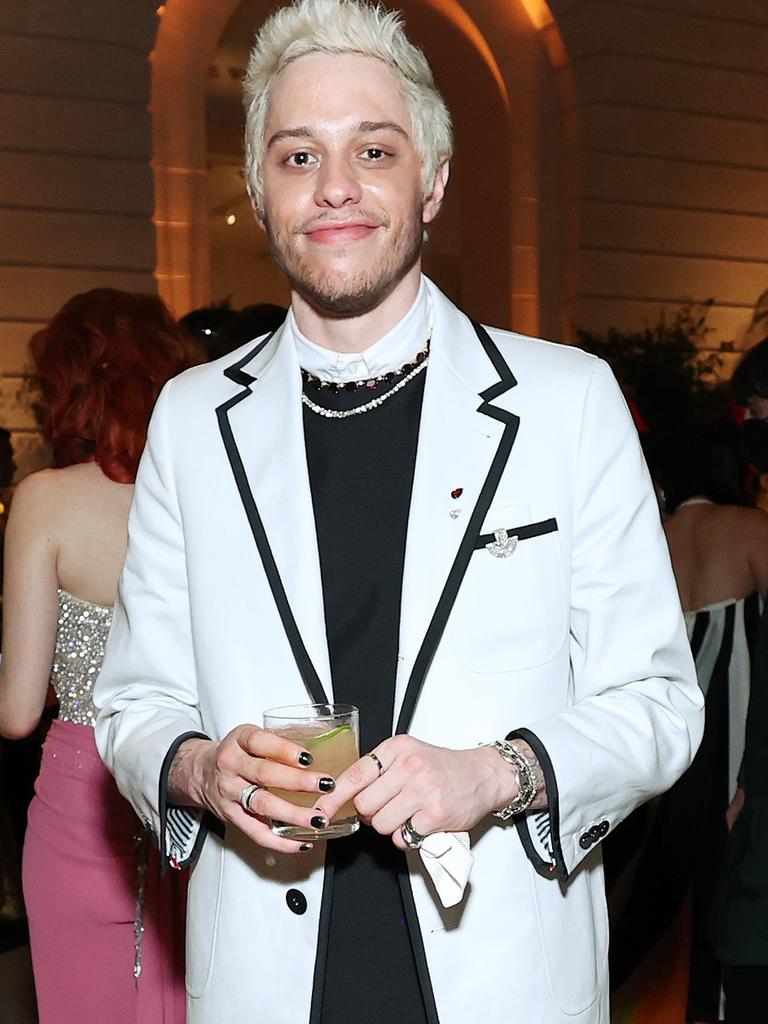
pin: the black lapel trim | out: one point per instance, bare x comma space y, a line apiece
521, 532
236, 373
162, 806
417, 945
300, 653
321, 957
553, 806
466, 548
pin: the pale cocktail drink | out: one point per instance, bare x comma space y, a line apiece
330, 733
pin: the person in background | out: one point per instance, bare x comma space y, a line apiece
739, 926
749, 390
13, 795
247, 324
749, 383
204, 324
719, 548
100, 922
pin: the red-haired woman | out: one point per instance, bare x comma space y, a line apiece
100, 921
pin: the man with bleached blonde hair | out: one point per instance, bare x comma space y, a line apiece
446, 525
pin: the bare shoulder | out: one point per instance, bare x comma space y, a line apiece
741, 529
36, 493
753, 522
50, 494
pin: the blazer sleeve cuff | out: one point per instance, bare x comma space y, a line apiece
539, 831
182, 829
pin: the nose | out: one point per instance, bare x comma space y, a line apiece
336, 184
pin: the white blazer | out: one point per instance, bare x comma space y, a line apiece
576, 641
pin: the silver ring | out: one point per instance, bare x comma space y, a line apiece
411, 837
376, 761
247, 795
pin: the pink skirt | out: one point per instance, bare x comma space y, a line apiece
81, 879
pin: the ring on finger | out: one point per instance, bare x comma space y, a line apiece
376, 761
410, 836
247, 795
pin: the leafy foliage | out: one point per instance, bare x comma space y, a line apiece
662, 366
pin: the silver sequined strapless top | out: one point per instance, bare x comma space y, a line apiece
81, 638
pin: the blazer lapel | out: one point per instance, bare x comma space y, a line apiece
464, 443
263, 434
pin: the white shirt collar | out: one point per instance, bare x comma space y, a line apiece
388, 353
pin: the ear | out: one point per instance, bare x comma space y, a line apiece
258, 213
433, 202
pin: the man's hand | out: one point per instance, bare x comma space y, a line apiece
440, 790
213, 776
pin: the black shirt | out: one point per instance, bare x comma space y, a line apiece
361, 476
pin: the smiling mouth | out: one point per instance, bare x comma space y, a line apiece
335, 234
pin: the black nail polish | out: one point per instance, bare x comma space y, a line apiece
318, 822
326, 785
306, 848
305, 759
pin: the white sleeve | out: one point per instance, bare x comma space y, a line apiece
635, 716
146, 693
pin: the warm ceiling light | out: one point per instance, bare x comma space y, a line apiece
160, 10
231, 219
539, 12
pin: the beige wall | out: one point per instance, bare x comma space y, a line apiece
613, 159
672, 99
76, 190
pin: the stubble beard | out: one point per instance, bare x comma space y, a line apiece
351, 294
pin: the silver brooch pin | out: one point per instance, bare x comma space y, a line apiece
503, 546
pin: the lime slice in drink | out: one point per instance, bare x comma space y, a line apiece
317, 740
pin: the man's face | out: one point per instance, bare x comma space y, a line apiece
343, 207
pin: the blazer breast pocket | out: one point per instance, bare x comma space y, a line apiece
511, 610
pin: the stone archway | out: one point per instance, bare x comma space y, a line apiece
496, 104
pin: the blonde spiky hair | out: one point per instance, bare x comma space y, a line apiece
344, 26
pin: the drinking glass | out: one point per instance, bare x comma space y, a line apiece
330, 732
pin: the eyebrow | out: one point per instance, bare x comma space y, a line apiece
381, 126
289, 133
363, 128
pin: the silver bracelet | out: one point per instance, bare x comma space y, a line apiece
525, 776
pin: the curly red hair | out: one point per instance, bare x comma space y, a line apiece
100, 364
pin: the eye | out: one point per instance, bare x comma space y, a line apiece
300, 159
374, 153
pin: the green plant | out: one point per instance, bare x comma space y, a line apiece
662, 367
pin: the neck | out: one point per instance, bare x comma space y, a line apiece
357, 333
696, 499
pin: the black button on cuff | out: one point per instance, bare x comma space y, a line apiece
585, 841
297, 901
603, 828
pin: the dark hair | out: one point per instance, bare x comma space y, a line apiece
750, 378
99, 365
205, 323
251, 322
704, 460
